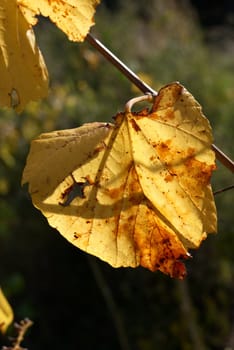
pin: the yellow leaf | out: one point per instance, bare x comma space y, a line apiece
133, 193
22, 69
73, 17
6, 313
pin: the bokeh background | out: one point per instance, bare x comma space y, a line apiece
76, 301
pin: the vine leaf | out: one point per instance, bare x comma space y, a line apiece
144, 195
6, 313
73, 17
23, 72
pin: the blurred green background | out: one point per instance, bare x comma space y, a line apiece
76, 301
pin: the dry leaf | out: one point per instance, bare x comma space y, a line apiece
6, 313
73, 17
133, 193
23, 72
22, 69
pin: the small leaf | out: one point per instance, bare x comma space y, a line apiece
6, 313
23, 72
73, 17
145, 195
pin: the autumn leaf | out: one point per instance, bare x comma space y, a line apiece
6, 313
23, 72
73, 17
133, 193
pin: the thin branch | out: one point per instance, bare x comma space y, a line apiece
224, 189
222, 157
110, 303
120, 65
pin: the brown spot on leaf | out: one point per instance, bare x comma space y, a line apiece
143, 113
134, 125
134, 189
154, 116
131, 218
199, 170
76, 235
159, 248
190, 152
119, 118
99, 148
169, 115
169, 177
163, 148
115, 193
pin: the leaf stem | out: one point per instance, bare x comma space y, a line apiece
130, 103
221, 156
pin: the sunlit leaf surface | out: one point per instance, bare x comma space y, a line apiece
23, 74
73, 17
136, 192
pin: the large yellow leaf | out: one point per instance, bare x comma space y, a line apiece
74, 17
6, 313
23, 74
133, 193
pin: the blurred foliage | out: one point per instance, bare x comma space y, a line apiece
46, 278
